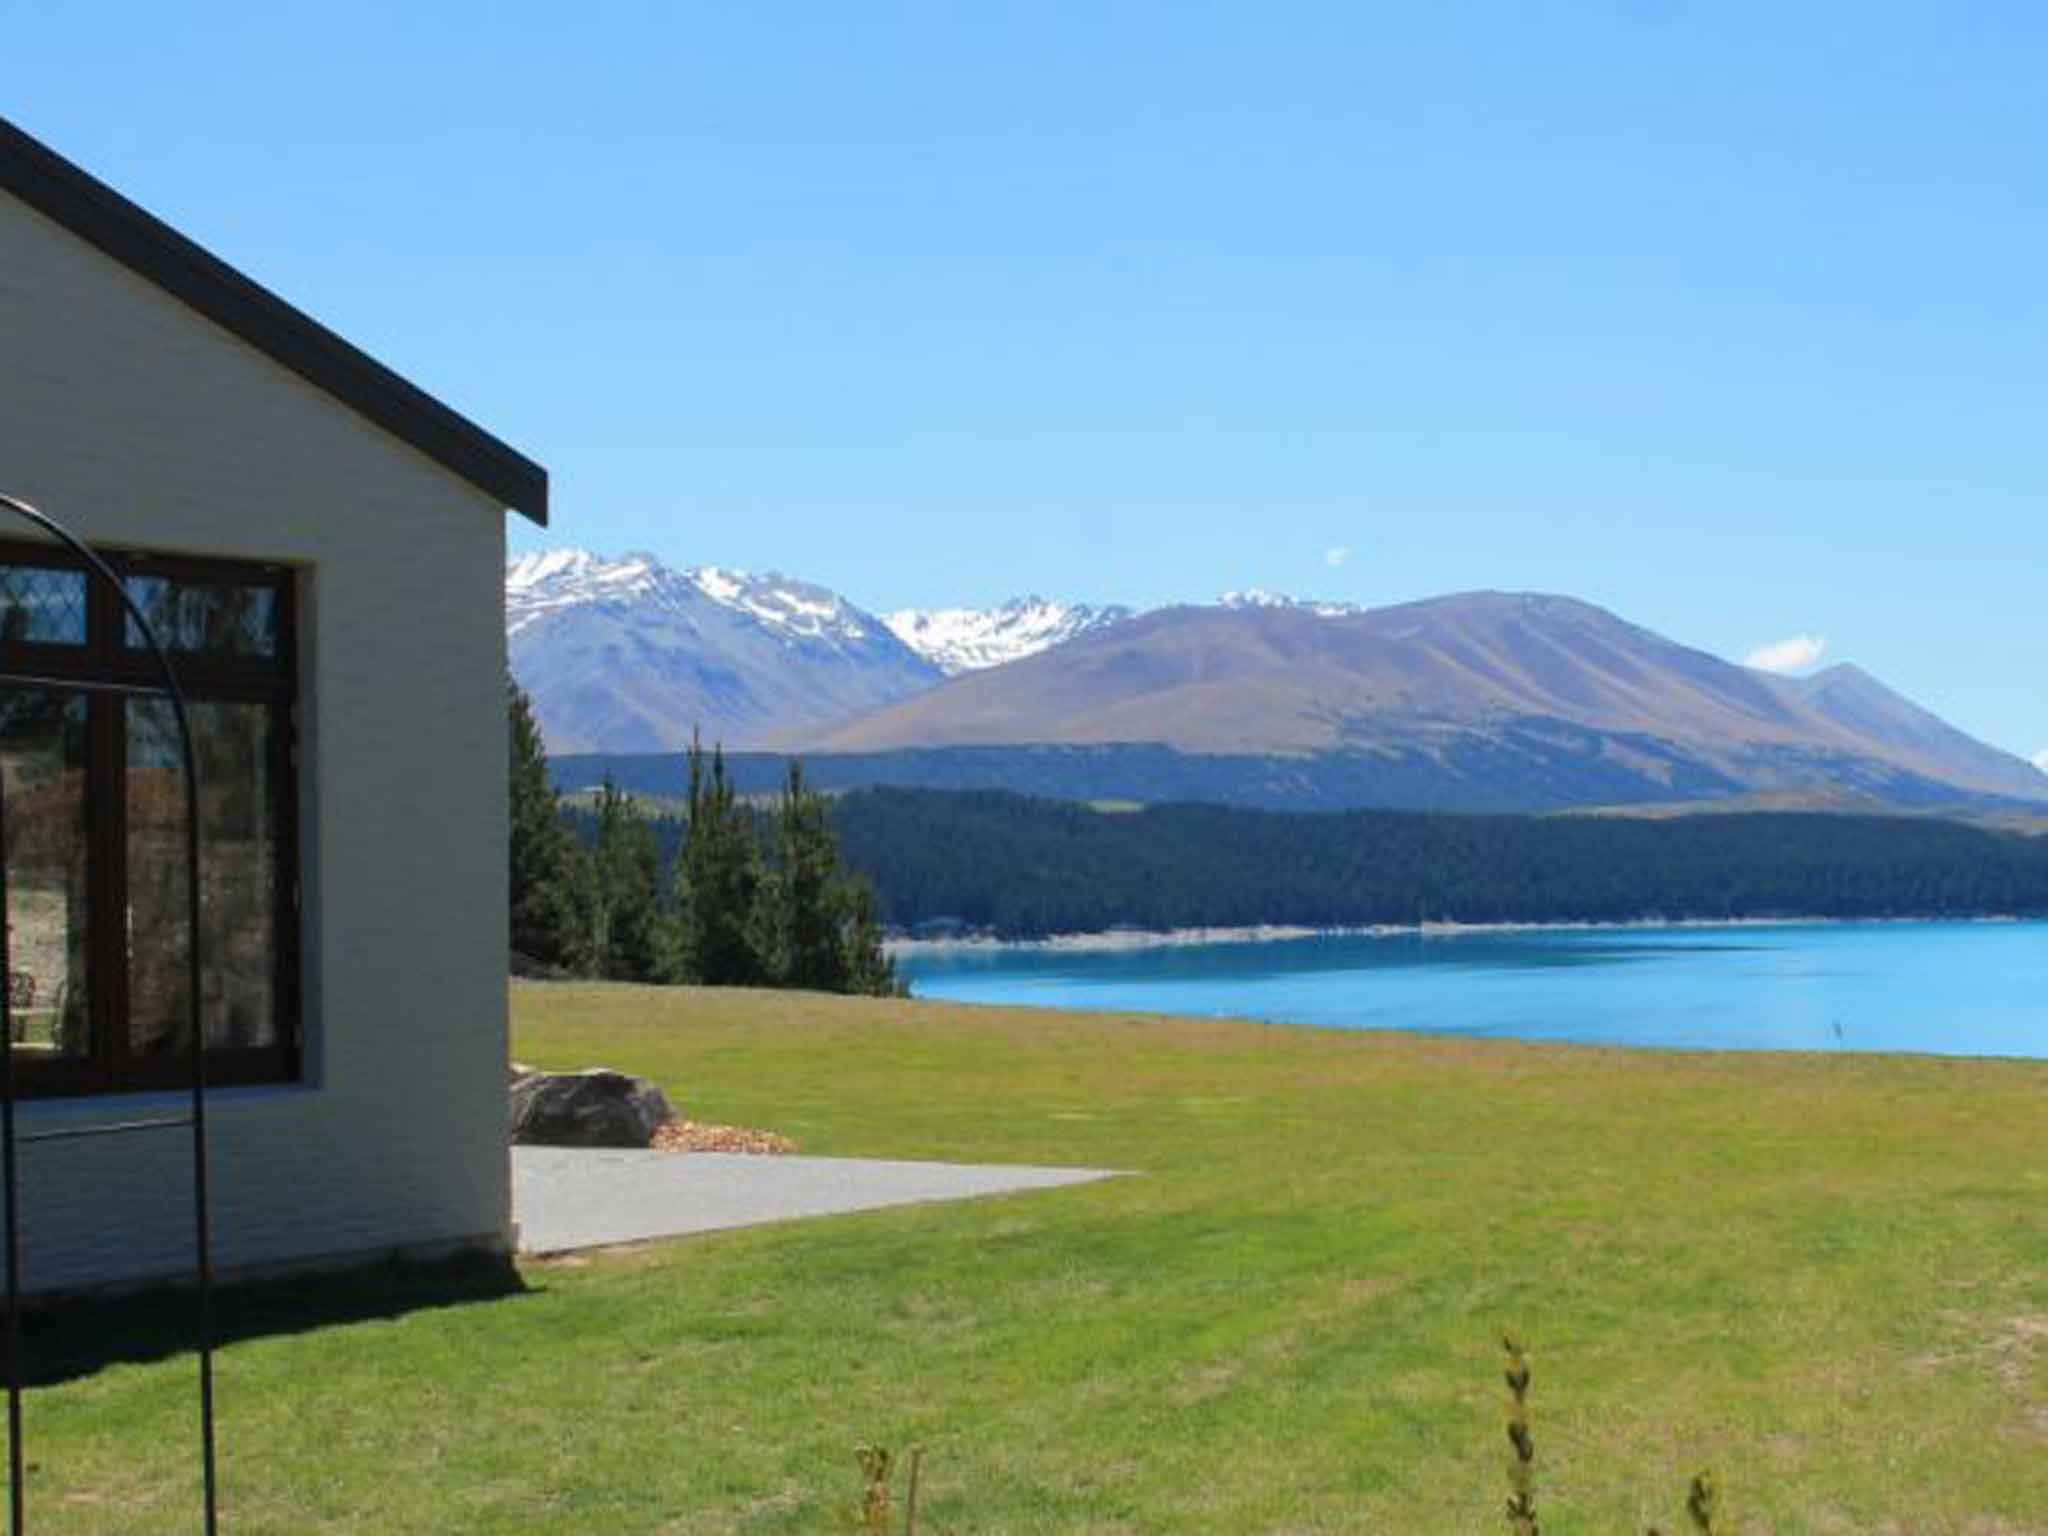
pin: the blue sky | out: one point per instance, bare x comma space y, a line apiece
1731, 317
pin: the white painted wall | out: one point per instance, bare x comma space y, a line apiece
140, 424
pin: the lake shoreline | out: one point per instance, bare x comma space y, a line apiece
1113, 939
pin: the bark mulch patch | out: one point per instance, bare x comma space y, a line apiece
692, 1136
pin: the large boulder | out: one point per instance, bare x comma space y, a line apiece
597, 1108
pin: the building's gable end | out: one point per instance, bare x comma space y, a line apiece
100, 216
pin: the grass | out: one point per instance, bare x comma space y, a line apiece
1824, 1277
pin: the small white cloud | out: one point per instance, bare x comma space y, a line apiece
2041, 759
1787, 655
1337, 554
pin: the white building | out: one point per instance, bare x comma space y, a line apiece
326, 544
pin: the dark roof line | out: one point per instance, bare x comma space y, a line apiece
102, 217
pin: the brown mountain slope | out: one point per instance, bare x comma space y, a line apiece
1442, 676
1867, 711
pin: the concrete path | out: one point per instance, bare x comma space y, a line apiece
565, 1198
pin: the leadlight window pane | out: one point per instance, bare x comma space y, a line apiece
208, 618
42, 760
238, 861
40, 605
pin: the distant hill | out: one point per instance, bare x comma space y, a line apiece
1848, 697
1024, 868
1555, 773
1507, 698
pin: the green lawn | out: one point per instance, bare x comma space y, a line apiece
1824, 1277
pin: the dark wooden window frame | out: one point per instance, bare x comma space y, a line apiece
100, 668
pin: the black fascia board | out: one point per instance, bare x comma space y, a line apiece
138, 240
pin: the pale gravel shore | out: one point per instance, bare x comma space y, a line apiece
1144, 938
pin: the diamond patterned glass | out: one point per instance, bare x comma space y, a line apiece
41, 606
209, 618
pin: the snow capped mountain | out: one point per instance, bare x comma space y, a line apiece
960, 640
1259, 597
630, 655
540, 584
973, 639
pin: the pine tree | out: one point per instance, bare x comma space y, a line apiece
546, 927
721, 878
869, 970
802, 896
819, 923
634, 932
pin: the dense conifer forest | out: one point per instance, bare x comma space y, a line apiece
1019, 866
1023, 867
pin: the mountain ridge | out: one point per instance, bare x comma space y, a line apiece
1442, 674
1490, 698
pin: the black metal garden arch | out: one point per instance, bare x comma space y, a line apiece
194, 1119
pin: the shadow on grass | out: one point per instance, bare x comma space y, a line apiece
65, 1340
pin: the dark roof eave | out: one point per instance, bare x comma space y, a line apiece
147, 246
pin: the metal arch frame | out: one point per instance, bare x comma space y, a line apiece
98, 567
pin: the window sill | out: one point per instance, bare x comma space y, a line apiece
86, 1109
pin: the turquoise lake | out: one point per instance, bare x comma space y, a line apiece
1972, 989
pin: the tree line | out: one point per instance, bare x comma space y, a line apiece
1020, 867
724, 897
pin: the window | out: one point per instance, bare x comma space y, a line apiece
95, 821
